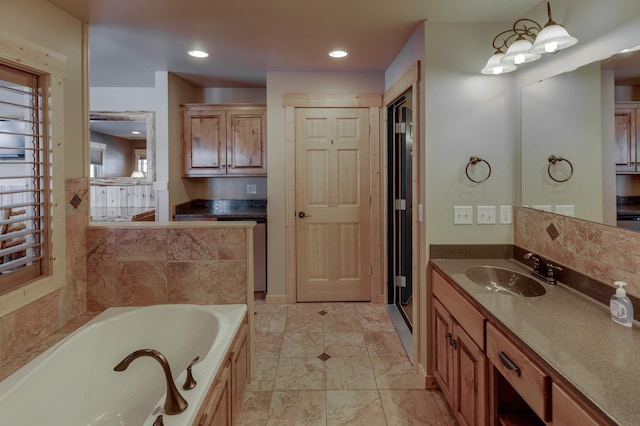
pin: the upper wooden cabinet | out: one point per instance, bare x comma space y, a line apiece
627, 139
223, 140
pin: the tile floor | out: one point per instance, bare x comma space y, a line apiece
333, 364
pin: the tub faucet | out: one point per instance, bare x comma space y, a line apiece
174, 402
543, 268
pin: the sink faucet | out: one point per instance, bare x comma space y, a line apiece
174, 402
543, 268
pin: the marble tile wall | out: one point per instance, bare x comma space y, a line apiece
137, 267
603, 252
36, 321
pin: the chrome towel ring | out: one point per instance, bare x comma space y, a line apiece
474, 161
552, 161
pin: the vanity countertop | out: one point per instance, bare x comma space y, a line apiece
230, 209
573, 334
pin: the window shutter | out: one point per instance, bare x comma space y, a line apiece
23, 165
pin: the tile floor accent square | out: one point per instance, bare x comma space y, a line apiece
324, 356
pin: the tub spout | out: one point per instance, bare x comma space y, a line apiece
174, 402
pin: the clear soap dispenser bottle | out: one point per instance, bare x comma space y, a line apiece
620, 305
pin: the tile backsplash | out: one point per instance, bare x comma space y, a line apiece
602, 252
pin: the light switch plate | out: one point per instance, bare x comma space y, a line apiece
486, 215
252, 189
420, 213
567, 210
506, 215
462, 215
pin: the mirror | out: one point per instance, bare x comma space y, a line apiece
572, 117
121, 165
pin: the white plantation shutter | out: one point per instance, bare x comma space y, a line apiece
23, 165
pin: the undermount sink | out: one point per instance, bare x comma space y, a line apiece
505, 281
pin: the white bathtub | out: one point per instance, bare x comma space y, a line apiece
74, 384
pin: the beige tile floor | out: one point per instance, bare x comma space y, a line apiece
331, 364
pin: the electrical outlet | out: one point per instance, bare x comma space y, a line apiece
252, 189
462, 215
506, 215
486, 215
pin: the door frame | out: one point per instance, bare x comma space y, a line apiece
373, 101
410, 80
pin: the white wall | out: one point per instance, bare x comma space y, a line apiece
234, 95
278, 84
466, 114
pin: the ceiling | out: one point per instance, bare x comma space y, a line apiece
131, 39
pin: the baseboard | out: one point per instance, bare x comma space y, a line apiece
276, 298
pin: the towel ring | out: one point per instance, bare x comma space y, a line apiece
553, 160
472, 162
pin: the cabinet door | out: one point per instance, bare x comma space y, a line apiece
470, 381
567, 412
239, 368
625, 143
443, 350
246, 141
217, 411
204, 142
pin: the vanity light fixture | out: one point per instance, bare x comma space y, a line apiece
338, 53
526, 42
198, 53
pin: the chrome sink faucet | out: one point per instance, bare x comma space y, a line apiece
174, 402
543, 268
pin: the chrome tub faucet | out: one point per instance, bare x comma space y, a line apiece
174, 402
543, 268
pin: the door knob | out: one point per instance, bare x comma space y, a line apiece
302, 215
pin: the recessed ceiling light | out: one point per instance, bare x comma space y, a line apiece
135, 132
198, 53
338, 53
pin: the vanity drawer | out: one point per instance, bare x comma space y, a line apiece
530, 381
465, 314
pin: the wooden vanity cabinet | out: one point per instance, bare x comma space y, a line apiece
567, 411
223, 140
220, 404
460, 365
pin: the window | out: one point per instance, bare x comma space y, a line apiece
140, 160
24, 194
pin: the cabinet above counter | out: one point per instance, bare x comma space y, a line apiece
222, 209
224, 140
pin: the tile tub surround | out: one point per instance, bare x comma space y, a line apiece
602, 252
573, 336
34, 322
180, 262
332, 364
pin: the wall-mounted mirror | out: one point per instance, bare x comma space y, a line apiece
121, 166
573, 116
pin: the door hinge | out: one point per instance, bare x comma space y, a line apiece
370, 269
401, 128
401, 204
400, 281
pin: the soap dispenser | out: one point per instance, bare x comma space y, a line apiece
620, 305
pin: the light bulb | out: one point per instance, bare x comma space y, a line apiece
519, 59
551, 47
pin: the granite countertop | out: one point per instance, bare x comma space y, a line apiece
628, 206
222, 209
573, 334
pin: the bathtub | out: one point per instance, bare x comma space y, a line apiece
73, 383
